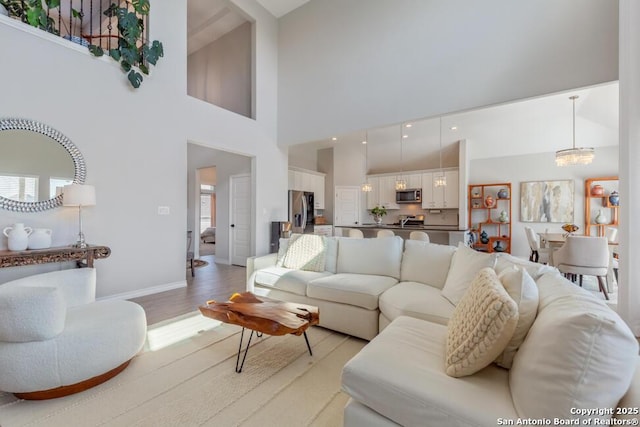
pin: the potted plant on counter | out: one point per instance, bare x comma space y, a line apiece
378, 212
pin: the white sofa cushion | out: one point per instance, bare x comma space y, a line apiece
331, 258
535, 270
361, 290
465, 265
31, 313
578, 354
523, 290
400, 375
379, 257
306, 252
481, 326
286, 279
426, 262
77, 285
416, 300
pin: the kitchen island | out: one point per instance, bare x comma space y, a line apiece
440, 234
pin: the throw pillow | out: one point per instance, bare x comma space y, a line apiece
306, 252
425, 262
534, 269
282, 251
578, 354
465, 265
481, 326
524, 291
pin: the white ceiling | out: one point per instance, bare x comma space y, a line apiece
208, 20
543, 124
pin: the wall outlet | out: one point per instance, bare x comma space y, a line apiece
164, 210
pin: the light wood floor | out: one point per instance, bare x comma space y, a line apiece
213, 281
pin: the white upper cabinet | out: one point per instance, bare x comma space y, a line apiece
373, 198
413, 180
440, 197
387, 192
308, 181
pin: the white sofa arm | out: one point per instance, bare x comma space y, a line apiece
256, 263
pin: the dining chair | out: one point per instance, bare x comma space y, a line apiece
538, 253
355, 233
584, 255
419, 235
385, 233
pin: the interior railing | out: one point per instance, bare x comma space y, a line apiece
85, 22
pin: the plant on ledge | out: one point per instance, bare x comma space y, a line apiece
33, 12
133, 52
378, 212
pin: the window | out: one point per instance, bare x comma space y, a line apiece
56, 184
20, 188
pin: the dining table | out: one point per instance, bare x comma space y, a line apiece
555, 240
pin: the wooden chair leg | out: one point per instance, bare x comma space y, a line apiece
192, 269
603, 287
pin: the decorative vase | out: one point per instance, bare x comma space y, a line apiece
18, 236
488, 201
503, 217
614, 198
40, 238
377, 219
597, 190
484, 237
498, 247
600, 218
503, 193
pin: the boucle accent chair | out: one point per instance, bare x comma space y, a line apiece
56, 340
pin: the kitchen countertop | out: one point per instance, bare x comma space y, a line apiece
406, 227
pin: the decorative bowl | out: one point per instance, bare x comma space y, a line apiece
570, 228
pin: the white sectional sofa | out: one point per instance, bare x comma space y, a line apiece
578, 355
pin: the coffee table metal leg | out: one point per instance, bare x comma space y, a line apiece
308, 346
239, 369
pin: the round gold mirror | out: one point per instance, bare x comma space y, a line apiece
36, 162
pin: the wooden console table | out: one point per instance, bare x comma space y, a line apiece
84, 257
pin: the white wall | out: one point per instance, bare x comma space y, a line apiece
540, 167
346, 65
135, 143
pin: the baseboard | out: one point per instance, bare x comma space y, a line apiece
146, 291
222, 261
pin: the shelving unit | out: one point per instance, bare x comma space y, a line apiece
486, 218
592, 204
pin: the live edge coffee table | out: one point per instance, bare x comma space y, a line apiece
263, 316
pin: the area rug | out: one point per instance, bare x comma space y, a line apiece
199, 263
192, 382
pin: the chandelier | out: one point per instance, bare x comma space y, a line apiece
441, 180
366, 186
574, 156
401, 184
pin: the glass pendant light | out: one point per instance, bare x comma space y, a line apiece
366, 186
441, 180
401, 184
574, 156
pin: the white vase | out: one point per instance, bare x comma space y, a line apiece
40, 238
18, 236
600, 218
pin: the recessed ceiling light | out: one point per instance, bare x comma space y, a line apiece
405, 136
364, 142
334, 139
454, 128
408, 125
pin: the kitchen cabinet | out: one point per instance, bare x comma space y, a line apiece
373, 198
413, 180
387, 192
308, 181
440, 197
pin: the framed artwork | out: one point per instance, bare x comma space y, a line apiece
547, 201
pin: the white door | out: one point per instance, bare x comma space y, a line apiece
240, 219
347, 206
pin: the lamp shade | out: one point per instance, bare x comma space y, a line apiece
78, 195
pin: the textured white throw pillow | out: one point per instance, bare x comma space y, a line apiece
465, 265
306, 252
282, 251
31, 313
524, 291
481, 325
579, 354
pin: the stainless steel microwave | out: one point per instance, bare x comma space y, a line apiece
411, 195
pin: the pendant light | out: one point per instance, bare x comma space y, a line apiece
574, 156
366, 186
441, 180
401, 184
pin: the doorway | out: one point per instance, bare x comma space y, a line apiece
207, 231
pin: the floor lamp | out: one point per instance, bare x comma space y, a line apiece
79, 195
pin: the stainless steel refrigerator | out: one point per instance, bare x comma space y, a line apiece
301, 211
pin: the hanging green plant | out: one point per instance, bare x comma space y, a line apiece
33, 12
132, 52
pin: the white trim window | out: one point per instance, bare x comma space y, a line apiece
20, 188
